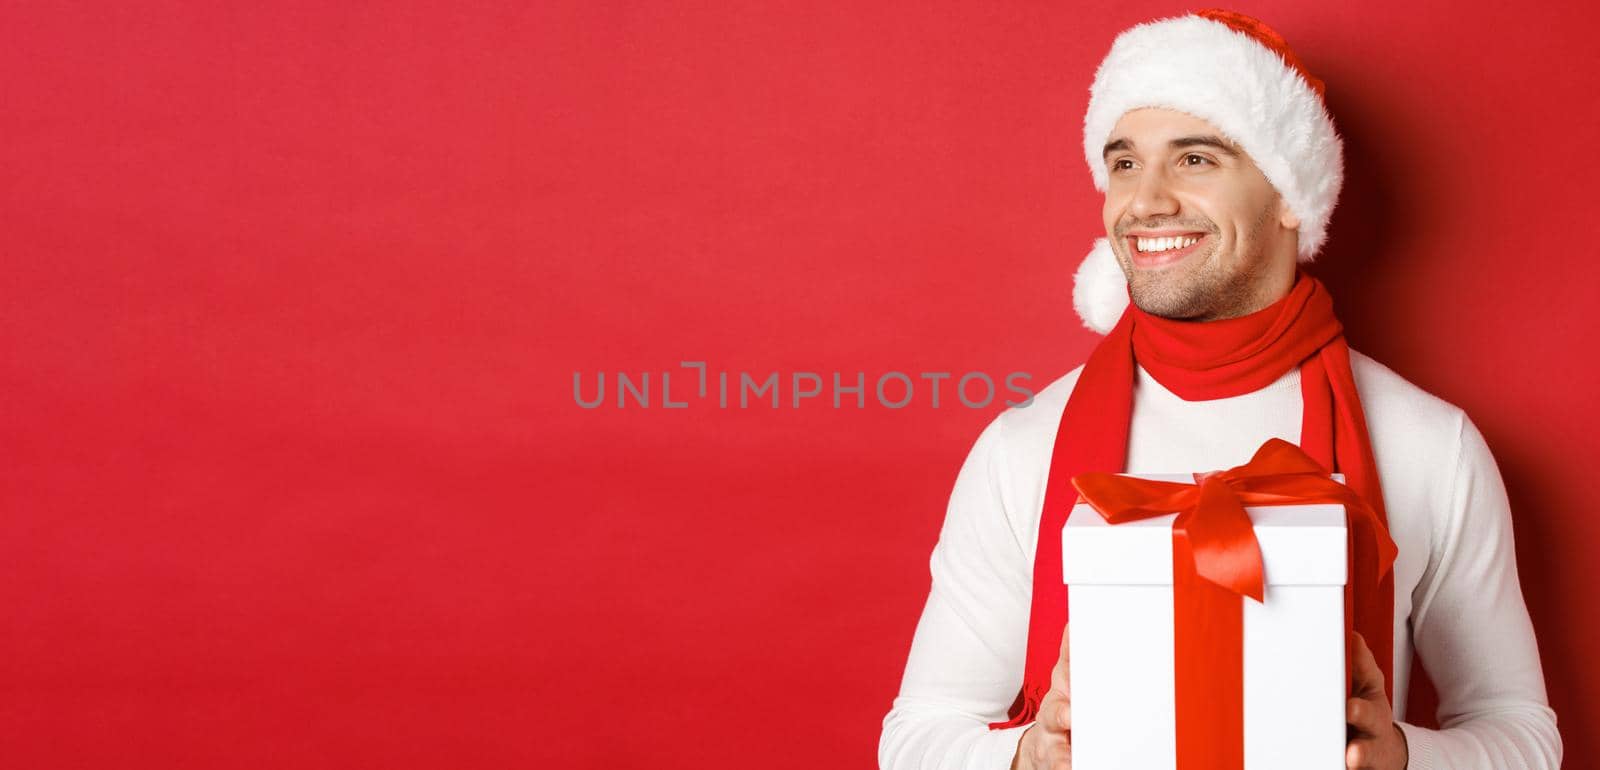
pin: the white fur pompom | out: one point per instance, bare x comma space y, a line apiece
1100, 289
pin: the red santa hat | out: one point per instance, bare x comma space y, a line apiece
1236, 73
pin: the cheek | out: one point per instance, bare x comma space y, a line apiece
1111, 211
1241, 217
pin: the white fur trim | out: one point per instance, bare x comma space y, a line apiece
1207, 69
1100, 289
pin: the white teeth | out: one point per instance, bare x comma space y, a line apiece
1163, 244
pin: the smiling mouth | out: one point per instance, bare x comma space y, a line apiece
1150, 260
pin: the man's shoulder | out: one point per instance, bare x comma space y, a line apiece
1032, 427
1023, 436
1400, 412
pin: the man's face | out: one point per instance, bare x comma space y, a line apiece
1171, 174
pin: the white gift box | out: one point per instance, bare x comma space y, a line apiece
1120, 628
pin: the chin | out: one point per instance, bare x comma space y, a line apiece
1170, 292
1164, 308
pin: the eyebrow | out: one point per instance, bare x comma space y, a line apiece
1179, 143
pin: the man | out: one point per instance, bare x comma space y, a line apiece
1220, 168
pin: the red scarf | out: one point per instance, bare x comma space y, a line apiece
1198, 362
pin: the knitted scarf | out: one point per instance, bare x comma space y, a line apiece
1198, 362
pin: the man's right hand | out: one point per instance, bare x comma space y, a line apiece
1047, 744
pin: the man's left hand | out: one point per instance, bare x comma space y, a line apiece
1375, 741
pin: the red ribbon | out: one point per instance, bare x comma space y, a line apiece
1215, 561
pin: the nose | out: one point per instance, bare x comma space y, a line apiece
1153, 198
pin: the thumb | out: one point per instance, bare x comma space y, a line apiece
1367, 678
1061, 673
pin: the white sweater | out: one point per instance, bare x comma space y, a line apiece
1457, 596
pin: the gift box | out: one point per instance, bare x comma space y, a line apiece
1290, 645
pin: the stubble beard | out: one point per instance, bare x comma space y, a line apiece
1182, 291
1197, 289
1201, 287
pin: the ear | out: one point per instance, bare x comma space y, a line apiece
1286, 217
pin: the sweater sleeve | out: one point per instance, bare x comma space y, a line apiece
1472, 631
966, 659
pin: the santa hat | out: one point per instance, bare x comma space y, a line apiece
1236, 73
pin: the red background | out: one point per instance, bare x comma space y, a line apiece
293, 298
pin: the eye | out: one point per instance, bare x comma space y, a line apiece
1116, 165
1202, 158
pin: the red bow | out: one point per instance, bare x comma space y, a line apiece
1211, 510
1215, 561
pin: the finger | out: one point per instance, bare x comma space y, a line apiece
1364, 715
1061, 673
1055, 713
1368, 678
1359, 755
1050, 717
